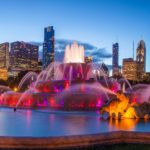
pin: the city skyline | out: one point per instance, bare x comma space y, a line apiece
107, 22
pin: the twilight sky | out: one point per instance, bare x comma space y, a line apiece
98, 22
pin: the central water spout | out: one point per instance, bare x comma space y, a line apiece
74, 53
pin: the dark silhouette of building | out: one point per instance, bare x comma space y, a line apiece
88, 59
48, 46
115, 57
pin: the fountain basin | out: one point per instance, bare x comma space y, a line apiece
27, 128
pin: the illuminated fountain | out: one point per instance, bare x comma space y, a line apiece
69, 86
124, 107
74, 66
66, 85
74, 53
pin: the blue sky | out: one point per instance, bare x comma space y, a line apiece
99, 22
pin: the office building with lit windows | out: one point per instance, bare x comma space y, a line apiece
135, 70
4, 60
48, 46
23, 56
129, 69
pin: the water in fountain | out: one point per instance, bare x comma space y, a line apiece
61, 80
124, 80
74, 53
84, 96
102, 72
144, 93
139, 92
27, 79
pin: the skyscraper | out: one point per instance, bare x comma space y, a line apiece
4, 60
129, 69
135, 70
4, 55
115, 52
48, 46
23, 56
141, 54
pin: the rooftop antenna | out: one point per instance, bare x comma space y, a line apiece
133, 49
117, 38
141, 37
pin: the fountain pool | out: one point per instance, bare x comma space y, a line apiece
52, 123
56, 100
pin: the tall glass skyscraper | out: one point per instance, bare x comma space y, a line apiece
48, 46
115, 52
141, 54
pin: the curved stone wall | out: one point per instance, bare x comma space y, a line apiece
75, 141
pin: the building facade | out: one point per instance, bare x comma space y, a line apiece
4, 60
48, 46
135, 70
141, 55
23, 56
129, 69
4, 55
146, 77
141, 59
88, 59
115, 58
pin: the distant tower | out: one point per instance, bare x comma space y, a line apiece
141, 54
48, 46
115, 53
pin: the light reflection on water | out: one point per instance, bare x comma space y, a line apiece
44, 123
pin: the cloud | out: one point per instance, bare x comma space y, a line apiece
98, 54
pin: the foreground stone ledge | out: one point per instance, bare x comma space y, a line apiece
116, 137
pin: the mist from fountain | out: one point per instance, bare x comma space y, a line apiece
124, 80
4, 89
102, 72
93, 95
145, 94
60, 80
29, 77
89, 89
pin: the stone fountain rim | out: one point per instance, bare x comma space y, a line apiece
107, 138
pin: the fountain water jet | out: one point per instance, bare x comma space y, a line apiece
59, 81
30, 76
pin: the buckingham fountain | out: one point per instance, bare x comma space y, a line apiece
65, 106
72, 85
